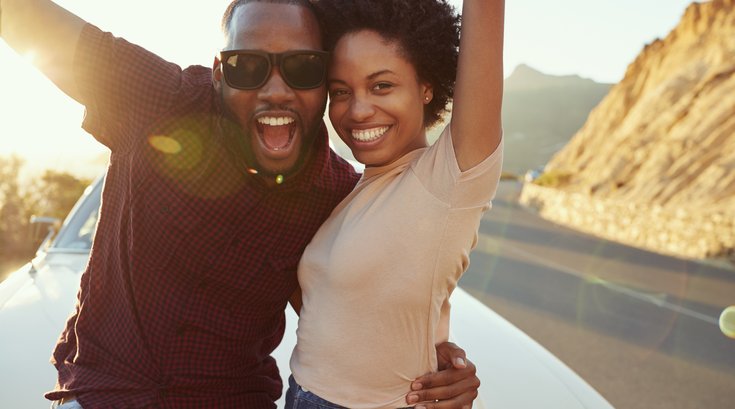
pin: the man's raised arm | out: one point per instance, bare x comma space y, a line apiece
48, 31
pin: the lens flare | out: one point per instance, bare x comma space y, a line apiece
165, 144
727, 321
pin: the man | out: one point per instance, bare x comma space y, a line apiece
218, 179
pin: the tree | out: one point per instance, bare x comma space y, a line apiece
13, 211
52, 194
56, 192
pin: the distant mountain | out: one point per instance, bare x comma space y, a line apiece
542, 112
526, 78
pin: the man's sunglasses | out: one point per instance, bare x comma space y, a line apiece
250, 69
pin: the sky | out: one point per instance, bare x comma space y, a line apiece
595, 39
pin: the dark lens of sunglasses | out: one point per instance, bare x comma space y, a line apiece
304, 70
246, 71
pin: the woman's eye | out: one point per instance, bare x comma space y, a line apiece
335, 93
382, 86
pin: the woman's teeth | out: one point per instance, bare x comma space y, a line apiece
275, 121
367, 135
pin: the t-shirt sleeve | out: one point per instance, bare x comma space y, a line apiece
439, 171
123, 87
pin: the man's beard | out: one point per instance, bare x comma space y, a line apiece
238, 142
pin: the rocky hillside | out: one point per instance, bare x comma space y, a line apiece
663, 140
542, 112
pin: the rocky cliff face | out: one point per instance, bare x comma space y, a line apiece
666, 133
664, 137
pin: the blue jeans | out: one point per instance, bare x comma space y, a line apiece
298, 398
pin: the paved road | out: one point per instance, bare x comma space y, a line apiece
638, 326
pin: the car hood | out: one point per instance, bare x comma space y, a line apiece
516, 371
35, 302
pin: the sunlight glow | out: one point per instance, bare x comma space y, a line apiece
30, 56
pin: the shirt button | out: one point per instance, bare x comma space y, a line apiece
181, 329
203, 284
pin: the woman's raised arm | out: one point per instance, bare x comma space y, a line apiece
478, 95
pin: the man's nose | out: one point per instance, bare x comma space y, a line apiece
275, 90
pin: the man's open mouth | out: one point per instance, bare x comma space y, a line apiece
276, 132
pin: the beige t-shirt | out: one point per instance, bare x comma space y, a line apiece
377, 276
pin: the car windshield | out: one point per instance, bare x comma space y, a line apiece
78, 229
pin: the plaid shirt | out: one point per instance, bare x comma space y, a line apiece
193, 262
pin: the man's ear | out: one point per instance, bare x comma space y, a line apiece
217, 74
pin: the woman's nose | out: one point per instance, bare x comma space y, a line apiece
361, 108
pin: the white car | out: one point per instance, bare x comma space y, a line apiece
36, 300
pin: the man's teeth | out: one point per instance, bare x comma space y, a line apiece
275, 121
367, 135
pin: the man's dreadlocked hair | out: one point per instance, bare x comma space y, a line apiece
426, 31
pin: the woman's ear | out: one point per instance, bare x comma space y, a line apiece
428, 93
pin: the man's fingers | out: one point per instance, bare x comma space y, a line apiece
451, 388
445, 377
459, 402
458, 358
428, 395
453, 404
450, 355
453, 395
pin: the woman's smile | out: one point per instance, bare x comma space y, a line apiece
369, 135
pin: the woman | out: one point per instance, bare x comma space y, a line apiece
377, 277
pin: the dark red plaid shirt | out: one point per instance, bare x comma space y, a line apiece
193, 262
